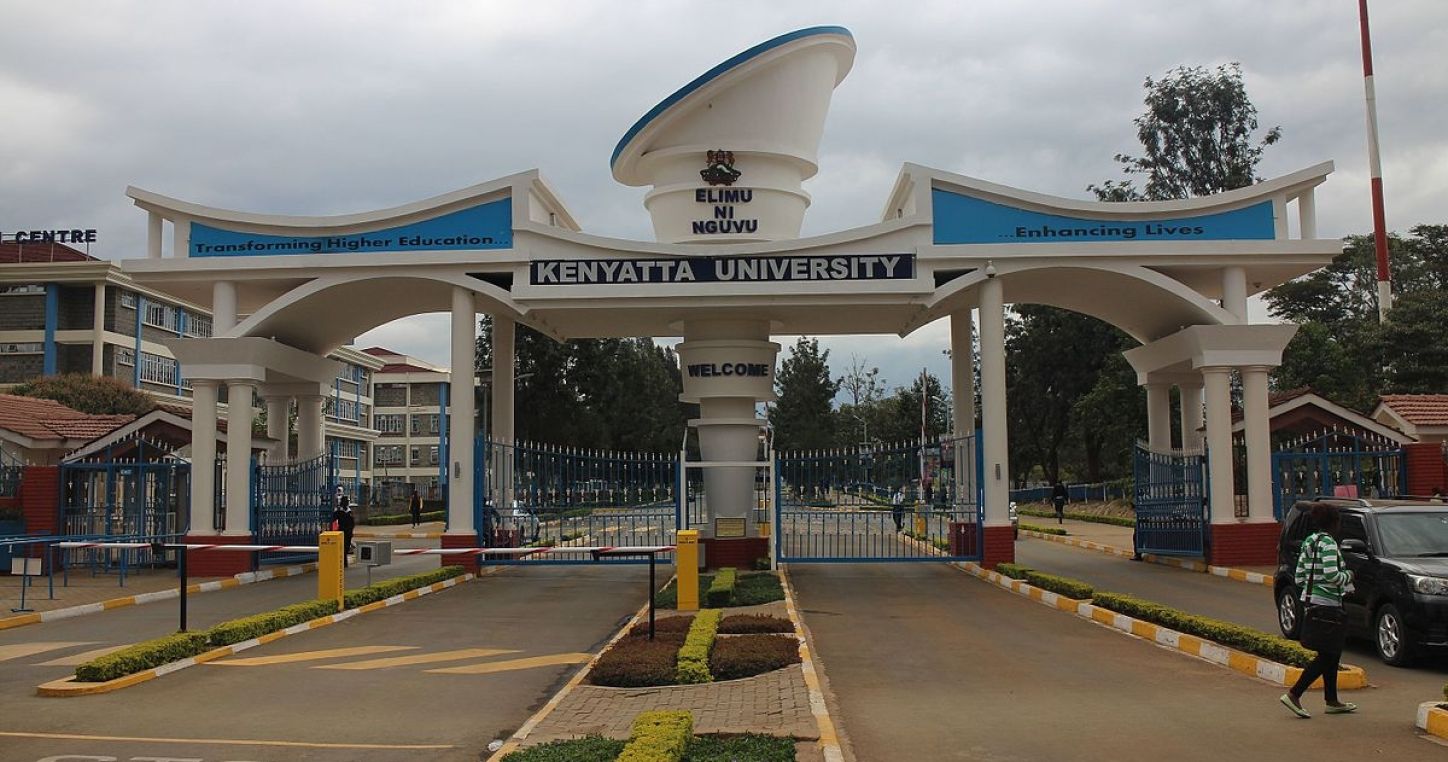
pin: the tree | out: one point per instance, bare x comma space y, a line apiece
97, 395
861, 383
804, 417
1196, 137
1415, 343
902, 411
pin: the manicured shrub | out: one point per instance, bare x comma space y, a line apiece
750, 655
142, 656
751, 747
1014, 571
749, 624
1231, 635
393, 519
721, 588
1071, 588
388, 588
1059, 532
587, 749
668, 596
659, 737
693, 662
1043, 513
671, 626
756, 588
636, 663
246, 628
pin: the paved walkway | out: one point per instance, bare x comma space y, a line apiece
776, 704
1110, 534
85, 588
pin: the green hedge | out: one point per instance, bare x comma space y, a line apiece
659, 737
1120, 521
692, 666
721, 588
756, 588
1236, 636
586, 749
1059, 532
387, 588
181, 645
1071, 588
1014, 571
393, 519
750, 747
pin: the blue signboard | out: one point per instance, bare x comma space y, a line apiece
489, 226
965, 219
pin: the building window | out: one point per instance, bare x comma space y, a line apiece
198, 325
23, 289
388, 455
128, 299
424, 423
22, 348
125, 356
162, 316
345, 410
157, 369
424, 455
389, 424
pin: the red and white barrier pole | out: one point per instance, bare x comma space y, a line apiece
1375, 171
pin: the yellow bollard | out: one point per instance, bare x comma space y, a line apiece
686, 569
330, 578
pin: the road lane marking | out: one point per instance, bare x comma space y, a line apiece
227, 741
21, 650
81, 658
330, 653
402, 661
512, 664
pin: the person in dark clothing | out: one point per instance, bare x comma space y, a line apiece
414, 505
1059, 498
346, 521
897, 509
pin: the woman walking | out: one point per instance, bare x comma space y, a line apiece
1323, 579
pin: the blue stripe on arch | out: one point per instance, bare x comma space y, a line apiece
715, 73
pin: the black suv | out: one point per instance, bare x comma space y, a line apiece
1398, 553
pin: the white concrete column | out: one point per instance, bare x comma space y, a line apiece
278, 410
1234, 291
1259, 442
995, 444
1158, 417
153, 236
180, 237
1219, 442
223, 307
460, 411
1307, 215
98, 331
203, 457
310, 436
501, 395
238, 457
1191, 416
962, 372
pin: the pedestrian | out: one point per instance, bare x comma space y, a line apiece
1323, 579
346, 521
414, 506
897, 509
1060, 496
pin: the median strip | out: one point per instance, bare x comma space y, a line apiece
1240, 575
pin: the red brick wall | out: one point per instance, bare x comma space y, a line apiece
219, 563
470, 562
1000, 547
1246, 544
40, 499
1426, 468
739, 553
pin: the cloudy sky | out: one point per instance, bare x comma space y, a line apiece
336, 107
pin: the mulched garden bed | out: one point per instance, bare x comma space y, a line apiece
745, 748
752, 589
751, 645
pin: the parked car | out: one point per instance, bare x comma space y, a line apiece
1398, 553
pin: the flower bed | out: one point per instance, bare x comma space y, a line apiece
750, 589
750, 655
743, 748
754, 645
751, 624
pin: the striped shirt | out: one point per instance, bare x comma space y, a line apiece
1320, 560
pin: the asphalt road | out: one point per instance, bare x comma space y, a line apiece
433, 679
925, 662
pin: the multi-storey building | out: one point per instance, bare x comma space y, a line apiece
63, 311
410, 417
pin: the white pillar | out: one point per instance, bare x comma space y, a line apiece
238, 457
962, 372
278, 410
1219, 442
1259, 442
460, 412
1234, 291
153, 236
1307, 215
180, 237
223, 307
98, 331
203, 457
1191, 416
501, 395
310, 436
1158, 417
995, 444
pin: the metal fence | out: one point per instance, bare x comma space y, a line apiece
1170, 498
1099, 491
140, 497
11, 470
1340, 463
292, 503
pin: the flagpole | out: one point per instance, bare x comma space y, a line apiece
1375, 170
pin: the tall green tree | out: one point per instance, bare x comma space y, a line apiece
804, 417
902, 411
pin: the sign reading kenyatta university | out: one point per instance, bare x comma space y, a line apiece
488, 226
738, 269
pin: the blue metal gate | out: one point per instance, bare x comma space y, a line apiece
1336, 463
292, 503
904, 502
550, 496
1171, 502
142, 496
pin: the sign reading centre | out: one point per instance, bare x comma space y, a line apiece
488, 226
768, 269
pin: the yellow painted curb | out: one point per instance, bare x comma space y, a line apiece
1240, 575
829, 741
1348, 678
1433, 718
245, 578
68, 687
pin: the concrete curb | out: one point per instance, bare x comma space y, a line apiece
1433, 718
829, 740
1351, 678
398, 535
1239, 575
68, 687
245, 578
